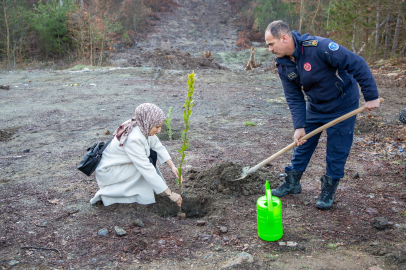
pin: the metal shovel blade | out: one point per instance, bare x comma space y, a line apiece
245, 172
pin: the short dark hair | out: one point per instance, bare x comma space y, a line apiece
278, 28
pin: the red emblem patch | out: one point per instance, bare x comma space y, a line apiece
307, 67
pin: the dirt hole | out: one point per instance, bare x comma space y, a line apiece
193, 207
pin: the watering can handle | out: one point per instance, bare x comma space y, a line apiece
269, 197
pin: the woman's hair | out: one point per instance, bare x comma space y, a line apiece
147, 116
278, 28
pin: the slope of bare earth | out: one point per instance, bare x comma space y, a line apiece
49, 118
195, 26
180, 39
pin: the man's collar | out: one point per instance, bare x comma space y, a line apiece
297, 38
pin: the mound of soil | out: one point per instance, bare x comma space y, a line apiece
164, 135
193, 207
177, 59
163, 58
218, 179
391, 254
365, 125
6, 134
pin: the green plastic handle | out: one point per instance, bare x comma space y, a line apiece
269, 196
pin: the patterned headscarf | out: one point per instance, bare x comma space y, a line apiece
146, 116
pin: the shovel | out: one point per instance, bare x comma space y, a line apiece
246, 170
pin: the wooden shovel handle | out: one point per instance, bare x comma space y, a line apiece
307, 136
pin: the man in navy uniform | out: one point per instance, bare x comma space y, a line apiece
327, 73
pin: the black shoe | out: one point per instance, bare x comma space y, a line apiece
99, 203
328, 189
291, 185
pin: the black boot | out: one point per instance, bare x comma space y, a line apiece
328, 189
291, 185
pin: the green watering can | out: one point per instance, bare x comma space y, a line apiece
269, 214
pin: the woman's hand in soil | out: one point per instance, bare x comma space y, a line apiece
299, 133
175, 197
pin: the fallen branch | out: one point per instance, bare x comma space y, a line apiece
53, 249
67, 214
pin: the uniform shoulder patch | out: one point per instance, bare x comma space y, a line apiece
292, 75
333, 46
310, 43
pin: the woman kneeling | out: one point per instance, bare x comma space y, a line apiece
127, 172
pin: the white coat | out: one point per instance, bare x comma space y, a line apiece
125, 174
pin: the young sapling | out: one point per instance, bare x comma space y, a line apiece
187, 112
168, 122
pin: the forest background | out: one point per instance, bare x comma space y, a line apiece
71, 32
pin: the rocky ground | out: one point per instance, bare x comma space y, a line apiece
49, 118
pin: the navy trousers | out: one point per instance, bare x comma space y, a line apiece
339, 141
153, 156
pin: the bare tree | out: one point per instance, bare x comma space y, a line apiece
403, 50
5, 14
301, 15
397, 29
353, 39
133, 12
387, 34
314, 17
12, 30
328, 12
378, 9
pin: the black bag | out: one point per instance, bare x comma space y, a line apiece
402, 116
92, 158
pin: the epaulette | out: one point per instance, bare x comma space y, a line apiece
310, 43
292, 75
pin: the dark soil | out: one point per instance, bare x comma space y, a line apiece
391, 254
216, 181
193, 207
363, 126
164, 135
221, 179
6, 134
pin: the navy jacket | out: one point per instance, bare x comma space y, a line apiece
328, 74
